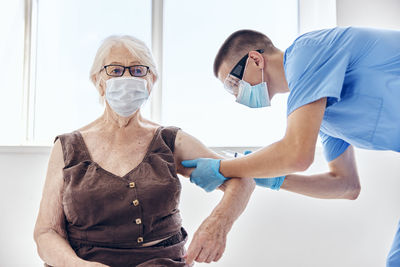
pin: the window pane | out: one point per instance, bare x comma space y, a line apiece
69, 33
193, 98
11, 71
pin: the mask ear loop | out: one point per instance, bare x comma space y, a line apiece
262, 75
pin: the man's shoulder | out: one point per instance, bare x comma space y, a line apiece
322, 37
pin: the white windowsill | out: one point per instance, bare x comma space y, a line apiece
25, 149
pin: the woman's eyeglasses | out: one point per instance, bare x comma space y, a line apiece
119, 70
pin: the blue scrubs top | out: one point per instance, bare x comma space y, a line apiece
358, 71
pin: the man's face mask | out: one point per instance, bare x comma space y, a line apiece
255, 96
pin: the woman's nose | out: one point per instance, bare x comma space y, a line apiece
126, 73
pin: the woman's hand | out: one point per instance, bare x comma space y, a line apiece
209, 241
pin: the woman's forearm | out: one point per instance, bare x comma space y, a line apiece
237, 193
56, 251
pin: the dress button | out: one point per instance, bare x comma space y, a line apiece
138, 221
135, 202
132, 184
140, 239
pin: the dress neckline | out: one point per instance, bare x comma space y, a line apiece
89, 156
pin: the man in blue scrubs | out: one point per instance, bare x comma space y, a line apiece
344, 86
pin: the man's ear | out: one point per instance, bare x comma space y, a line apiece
258, 59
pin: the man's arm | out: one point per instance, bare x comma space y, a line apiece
208, 243
341, 181
294, 153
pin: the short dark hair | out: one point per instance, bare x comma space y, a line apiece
239, 43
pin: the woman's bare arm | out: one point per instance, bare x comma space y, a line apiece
209, 240
49, 234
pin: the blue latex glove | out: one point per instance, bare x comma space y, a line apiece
206, 175
272, 183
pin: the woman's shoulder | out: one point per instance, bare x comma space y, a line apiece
77, 133
74, 133
89, 127
170, 131
64, 136
170, 128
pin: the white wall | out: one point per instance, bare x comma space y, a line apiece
21, 181
277, 229
316, 14
369, 13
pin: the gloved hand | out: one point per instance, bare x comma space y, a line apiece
206, 175
272, 183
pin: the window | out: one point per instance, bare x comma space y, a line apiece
66, 35
69, 33
11, 69
193, 98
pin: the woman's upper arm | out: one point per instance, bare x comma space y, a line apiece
51, 214
187, 147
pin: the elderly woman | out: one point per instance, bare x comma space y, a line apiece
112, 192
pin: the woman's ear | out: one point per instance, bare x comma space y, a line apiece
154, 78
102, 88
99, 83
257, 58
150, 83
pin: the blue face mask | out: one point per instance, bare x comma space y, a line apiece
255, 96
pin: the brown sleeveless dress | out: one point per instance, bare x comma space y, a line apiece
108, 217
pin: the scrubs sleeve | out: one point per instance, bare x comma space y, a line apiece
333, 147
314, 71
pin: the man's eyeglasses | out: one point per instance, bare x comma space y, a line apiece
119, 70
231, 83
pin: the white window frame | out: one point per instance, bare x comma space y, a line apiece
29, 70
157, 29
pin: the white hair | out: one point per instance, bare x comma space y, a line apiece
135, 46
